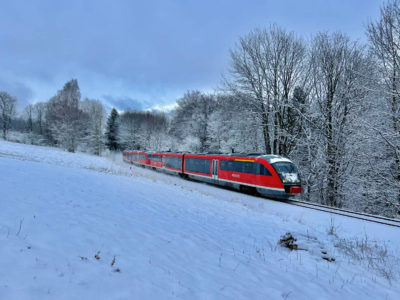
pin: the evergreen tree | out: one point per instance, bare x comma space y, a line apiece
112, 130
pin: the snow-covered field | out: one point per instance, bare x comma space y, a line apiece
74, 226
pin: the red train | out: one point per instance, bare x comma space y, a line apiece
270, 175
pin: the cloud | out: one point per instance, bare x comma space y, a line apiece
19, 90
122, 103
164, 108
146, 49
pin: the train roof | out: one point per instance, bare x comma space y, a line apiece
275, 158
271, 158
245, 154
268, 157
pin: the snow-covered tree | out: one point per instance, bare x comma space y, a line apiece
112, 131
144, 130
64, 116
95, 124
191, 120
130, 130
267, 65
384, 38
338, 69
28, 116
7, 110
39, 112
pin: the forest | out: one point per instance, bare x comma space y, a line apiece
331, 104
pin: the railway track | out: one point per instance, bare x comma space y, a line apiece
329, 209
346, 213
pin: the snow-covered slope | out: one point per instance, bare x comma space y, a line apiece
74, 226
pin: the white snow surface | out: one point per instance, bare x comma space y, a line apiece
278, 158
172, 238
290, 177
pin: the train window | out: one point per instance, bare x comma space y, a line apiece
285, 167
142, 156
262, 170
237, 166
287, 171
174, 162
244, 167
155, 158
135, 156
226, 165
199, 165
248, 167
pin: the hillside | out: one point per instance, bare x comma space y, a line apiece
75, 226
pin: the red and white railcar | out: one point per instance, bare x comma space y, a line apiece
270, 175
136, 157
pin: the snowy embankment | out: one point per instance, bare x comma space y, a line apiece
74, 226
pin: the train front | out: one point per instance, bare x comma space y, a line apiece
288, 174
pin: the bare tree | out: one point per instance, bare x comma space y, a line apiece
28, 116
131, 137
64, 116
338, 66
384, 37
39, 111
267, 65
143, 130
95, 124
191, 121
7, 109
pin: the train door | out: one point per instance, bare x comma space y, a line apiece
164, 161
215, 169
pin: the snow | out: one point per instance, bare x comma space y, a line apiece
276, 158
290, 177
172, 238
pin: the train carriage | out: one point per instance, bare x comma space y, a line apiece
171, 162
269, 175
125, 155
156, 160
142, 158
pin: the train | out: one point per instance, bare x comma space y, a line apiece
272, 176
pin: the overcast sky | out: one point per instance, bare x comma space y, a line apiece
146, 54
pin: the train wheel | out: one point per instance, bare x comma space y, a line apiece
184, 176
248, 190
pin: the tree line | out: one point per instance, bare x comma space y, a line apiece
331, 104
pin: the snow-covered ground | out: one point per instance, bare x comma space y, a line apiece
75, 226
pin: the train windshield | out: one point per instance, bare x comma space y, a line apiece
287, 172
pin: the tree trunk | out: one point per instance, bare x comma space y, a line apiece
264, 124
331, 155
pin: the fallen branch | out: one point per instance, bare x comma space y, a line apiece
20, 226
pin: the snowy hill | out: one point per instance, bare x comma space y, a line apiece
74, 226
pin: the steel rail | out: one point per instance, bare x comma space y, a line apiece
346, 213
332, 210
